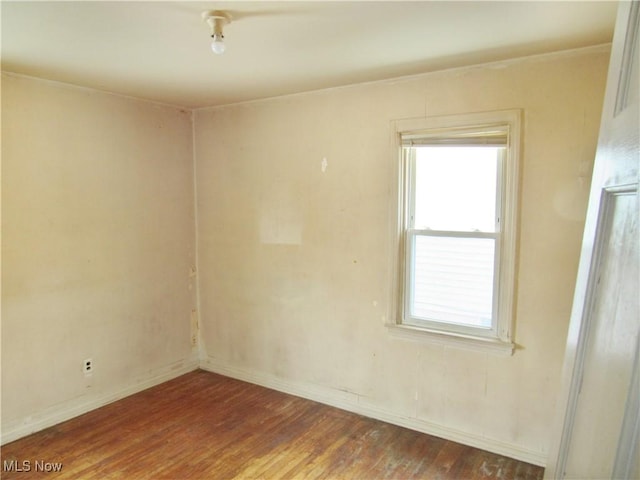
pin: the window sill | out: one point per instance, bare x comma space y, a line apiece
489, 345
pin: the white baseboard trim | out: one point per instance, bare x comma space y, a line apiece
351, 402
73, 408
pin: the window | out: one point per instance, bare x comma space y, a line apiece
458, 198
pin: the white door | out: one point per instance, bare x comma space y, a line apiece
598, 424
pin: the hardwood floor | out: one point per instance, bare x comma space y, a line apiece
206, 426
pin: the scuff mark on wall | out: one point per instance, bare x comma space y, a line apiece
195, 328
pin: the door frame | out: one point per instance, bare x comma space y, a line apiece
603, 192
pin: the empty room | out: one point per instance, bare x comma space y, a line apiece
368, 239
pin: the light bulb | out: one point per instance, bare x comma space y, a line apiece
217, 45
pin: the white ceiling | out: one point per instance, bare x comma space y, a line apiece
160, 50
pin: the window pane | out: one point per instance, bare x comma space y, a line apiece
456, 188
453, 280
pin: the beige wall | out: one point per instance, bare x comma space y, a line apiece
295, 262
98, 240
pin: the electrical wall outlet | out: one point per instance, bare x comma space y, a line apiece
87, 367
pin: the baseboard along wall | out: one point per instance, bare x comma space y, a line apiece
337, 398
78, 406
350, 402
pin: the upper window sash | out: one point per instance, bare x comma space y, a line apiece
409, 169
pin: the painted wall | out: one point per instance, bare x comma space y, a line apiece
295, 210
295, 252
98, 242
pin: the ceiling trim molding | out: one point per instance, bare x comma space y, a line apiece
494, 65
540, 57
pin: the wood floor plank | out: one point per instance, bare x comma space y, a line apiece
206, 426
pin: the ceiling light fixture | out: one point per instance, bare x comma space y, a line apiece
217, 19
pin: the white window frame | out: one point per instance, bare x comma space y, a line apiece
498, 338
